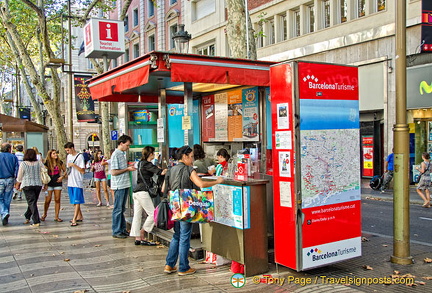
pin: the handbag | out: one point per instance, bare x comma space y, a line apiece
44, 176
153, 190
191, 205
421, 174
163, 215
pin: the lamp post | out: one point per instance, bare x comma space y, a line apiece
181, 39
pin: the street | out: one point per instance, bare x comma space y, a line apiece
377, 219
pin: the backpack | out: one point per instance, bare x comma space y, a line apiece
375, 182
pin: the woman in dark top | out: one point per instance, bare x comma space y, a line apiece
57, 172
183, 176
141, 197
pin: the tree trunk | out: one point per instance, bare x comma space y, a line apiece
104, 112
236, 31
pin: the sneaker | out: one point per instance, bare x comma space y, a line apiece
35, 225
5, 220
148, 243
19, 198
14, 196
108, 205
99, 204
190, 271
121, 236
382, 190
169, 269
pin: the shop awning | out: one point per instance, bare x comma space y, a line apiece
140, 79
12, 124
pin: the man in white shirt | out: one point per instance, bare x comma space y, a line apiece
75, 169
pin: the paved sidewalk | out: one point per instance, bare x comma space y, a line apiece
59, 258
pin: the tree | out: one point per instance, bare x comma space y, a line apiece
236, 31
29, 37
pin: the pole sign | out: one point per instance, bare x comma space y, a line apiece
104, 37
114, 135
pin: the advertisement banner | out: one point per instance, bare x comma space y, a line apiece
208, 118
235, 115
83, 102
426, 26
368, 154
250, 114
221, 117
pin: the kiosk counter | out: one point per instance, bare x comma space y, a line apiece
239, 231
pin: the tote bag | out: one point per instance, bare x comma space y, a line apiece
191, 205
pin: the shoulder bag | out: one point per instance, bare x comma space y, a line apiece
421, 174
69, 169
44, 174
153, 190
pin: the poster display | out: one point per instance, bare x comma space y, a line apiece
316, 131
83, 101
221, 117
208, 118
250, 114
232, 205
368, 155
235, 115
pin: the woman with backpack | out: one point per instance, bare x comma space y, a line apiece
141, 197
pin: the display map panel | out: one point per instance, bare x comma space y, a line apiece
232, 205
330, 174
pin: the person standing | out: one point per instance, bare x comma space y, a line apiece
8, 172
425, 180
29, 179
120, 183
20, 156
76, 166
388, 175
98, 169
223, 157
183, 176
202, 163
57, 172
142, 199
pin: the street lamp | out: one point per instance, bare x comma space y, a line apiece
181, 39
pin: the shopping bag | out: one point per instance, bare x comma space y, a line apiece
162, 215
193, 206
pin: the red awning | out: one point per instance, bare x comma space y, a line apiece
221, 71
114, 82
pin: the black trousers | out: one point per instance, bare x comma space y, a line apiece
32, 196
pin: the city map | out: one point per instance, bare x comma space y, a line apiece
330, 168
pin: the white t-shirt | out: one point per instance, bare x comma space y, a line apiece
75, 178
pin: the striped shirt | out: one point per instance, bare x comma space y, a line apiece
119, 162
29, 173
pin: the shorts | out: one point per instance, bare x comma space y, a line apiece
98, 179
76, 195
54, 188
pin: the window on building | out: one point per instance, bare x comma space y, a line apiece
296, 23
135, 17
343, 8
173, 2
126, 56
259, 34
136, 52
202, 8
172, 30
381, 5
326, 10
126, 24
270, 31
89, 64
311, 18
150, 8
284, 26
361, 8
208, 50
151, 43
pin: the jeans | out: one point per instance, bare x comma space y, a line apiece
6, 191
118, 218
387, 178
179, 246
142, 202
32, 196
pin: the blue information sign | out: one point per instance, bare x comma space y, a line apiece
114, 135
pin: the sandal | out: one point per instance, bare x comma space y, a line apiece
43, 217
426, 205
74, 224
58, 220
